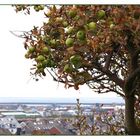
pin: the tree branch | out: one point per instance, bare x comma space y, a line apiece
134, 61
54, 78
112, 76
20, 36
108, 60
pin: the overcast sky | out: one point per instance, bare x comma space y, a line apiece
15, 69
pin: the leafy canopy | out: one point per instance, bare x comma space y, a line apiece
85, 44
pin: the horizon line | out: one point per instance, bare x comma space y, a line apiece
60, 100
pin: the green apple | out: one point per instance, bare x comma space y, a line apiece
69, 42
53, 42
68, 68
112, 26
80, 35
65, 24
77, 17
72, 13
76, 60
59, 19
92, 26
31, 49
36, 8
40, 58
40, 70
48, 63
19, 8
39, 65
44, 38
27, 55
44, 63
53, 63
70, 30
41, 7
101, 14
45, 50
86, 27
49, 13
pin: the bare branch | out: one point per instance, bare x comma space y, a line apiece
108, 60
20, 36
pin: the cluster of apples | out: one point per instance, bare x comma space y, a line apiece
42, 58
76, 60
81, 34
43, 62
37, 8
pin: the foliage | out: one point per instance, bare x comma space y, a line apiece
26, 8
103, 48
100, 122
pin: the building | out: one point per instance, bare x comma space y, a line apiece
54, 131
20, 109
9, 123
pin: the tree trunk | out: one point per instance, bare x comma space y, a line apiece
130, 124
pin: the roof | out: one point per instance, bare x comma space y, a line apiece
64, 129
42, 127
8, 119
20, 108
4, 131
35, 125
54, 131
38, 132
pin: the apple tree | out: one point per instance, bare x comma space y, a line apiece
97, 45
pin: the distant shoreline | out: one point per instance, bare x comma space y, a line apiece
35, 103
40, 100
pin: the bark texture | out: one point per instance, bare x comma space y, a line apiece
130, 124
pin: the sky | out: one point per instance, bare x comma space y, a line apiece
15, 69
